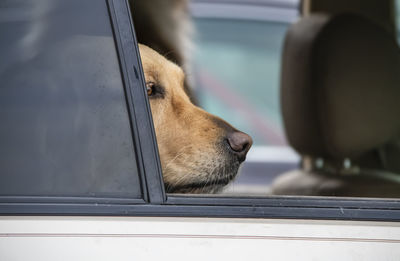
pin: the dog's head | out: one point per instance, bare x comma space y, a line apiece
199, 152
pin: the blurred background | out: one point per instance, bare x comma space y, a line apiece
236, 71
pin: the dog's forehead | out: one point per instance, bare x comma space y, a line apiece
150, 62
163, 74
156, 67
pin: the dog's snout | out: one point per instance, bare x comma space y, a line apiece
239, 143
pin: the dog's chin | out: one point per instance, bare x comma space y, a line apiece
207, 189
211, 185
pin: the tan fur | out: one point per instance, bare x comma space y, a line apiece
189, 138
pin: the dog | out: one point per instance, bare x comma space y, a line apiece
199, 152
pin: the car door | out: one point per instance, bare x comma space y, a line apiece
80, 176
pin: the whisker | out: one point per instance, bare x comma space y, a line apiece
180, 153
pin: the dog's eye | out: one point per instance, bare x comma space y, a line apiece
154, 90
150, 88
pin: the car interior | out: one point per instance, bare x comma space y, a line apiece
337, 94
339, 104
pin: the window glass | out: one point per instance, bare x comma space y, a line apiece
65, 127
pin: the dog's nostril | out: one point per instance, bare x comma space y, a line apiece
240, 143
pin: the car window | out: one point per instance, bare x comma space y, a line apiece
235, 73
67, 134
65, 128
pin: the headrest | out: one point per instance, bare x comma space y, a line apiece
340, 86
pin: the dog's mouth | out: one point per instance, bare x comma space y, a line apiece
211, 186
216, 175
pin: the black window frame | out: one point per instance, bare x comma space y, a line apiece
156, 202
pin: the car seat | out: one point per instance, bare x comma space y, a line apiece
340, 96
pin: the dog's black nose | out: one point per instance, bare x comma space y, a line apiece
239, 143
